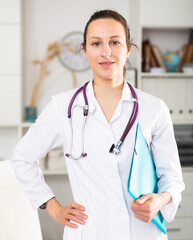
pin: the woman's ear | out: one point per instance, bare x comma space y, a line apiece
129, 49
83, 48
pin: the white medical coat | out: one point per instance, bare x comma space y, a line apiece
99, 181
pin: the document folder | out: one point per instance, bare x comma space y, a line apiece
143, 177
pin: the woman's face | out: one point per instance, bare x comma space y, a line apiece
106, 48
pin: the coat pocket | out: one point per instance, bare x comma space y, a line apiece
83, 232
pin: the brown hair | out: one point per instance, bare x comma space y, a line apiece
108, 14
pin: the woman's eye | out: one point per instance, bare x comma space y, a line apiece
115, 42
96, 44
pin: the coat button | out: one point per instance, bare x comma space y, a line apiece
113, 176
121, 210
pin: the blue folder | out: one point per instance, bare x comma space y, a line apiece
143, 178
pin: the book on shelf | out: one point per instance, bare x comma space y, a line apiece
189, 53
158, 56
190, 41
181, 55
149, 59
152, 57
186, 55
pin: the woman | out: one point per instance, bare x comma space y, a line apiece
103, 208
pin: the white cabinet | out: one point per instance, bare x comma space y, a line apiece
10, 101
10, 11
10, 75
176, 90
189, 100
181, 227
166, 13
10, 49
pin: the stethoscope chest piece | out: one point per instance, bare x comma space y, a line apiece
116, 149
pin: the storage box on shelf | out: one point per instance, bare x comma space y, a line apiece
181, 227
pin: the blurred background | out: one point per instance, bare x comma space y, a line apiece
39, 57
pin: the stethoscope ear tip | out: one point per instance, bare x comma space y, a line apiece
82, 155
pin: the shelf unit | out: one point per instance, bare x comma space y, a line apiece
174, 88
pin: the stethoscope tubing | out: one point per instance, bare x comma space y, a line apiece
133, 115
83, 154
74, 97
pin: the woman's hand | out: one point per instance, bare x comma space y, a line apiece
147, 206
63, 215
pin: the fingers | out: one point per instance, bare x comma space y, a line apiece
143, 203
143, 213
144, 198
77, 206
143, 218
75, 219
77, 210
78, 214
74, 213
141, 208
145, 208
70, 224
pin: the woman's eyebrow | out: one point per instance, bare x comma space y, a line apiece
94, 37
114, 36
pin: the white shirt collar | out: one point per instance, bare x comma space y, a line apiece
126, 93
126, 96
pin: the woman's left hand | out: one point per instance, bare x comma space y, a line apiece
147, 206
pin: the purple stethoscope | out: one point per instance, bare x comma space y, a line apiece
115, 148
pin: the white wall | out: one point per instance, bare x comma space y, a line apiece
45, 21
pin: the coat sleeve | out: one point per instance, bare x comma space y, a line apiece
165, 154
44, 135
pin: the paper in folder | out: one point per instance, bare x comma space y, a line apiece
143, 177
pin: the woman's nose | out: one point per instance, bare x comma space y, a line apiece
106, 51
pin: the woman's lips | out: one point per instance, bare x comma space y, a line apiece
106, 64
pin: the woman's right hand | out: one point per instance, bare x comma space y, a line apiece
64, 215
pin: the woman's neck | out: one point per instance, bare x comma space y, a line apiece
108, 97
114, 84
